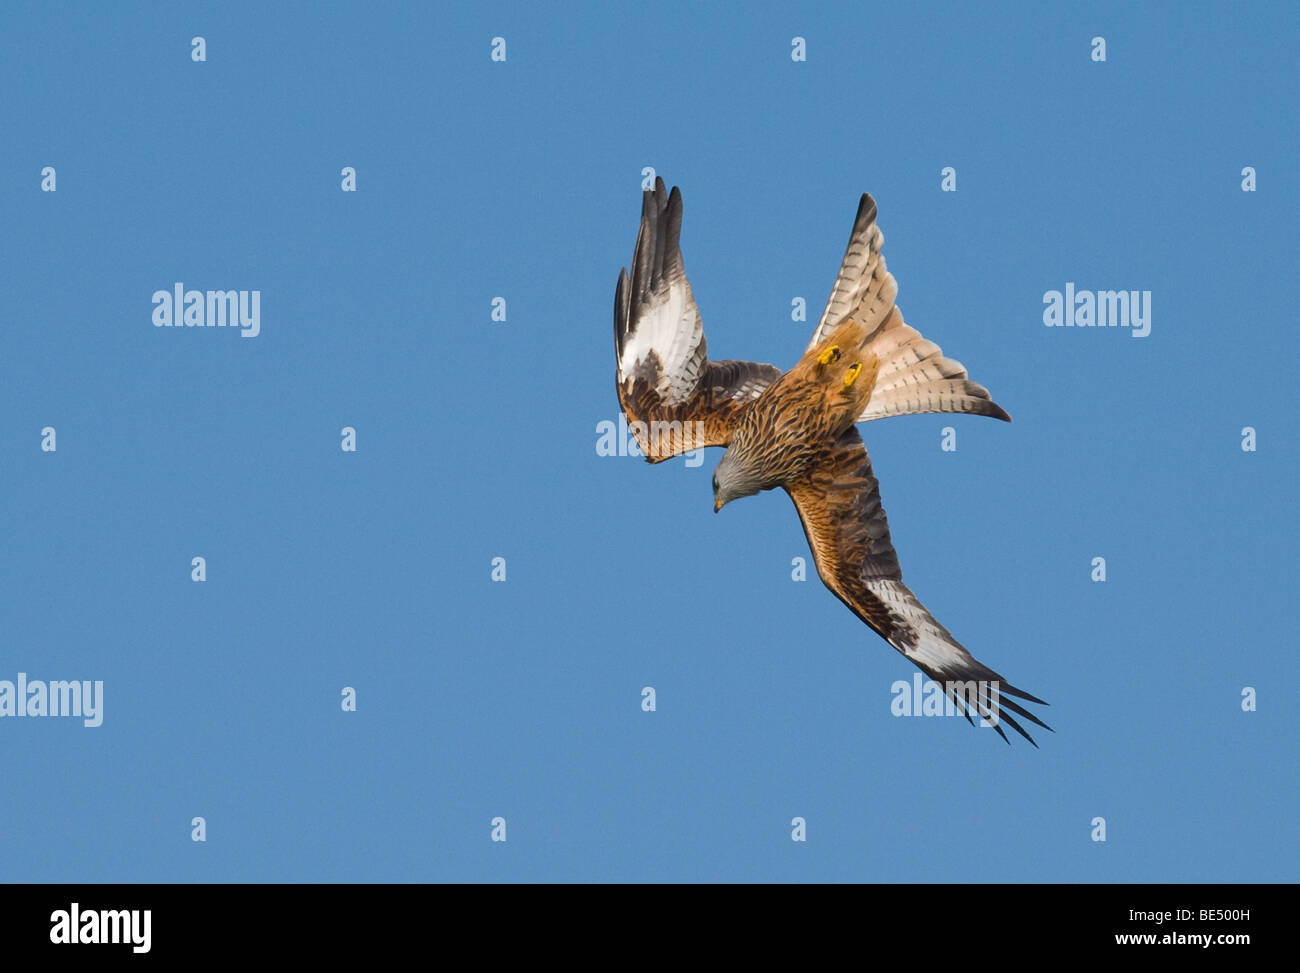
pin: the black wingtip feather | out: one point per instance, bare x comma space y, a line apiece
1004, 707
1009, 690
1003, 718
620, 312
1021, 711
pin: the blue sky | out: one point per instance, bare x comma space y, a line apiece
476, 439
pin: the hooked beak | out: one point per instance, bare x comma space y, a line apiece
717, 504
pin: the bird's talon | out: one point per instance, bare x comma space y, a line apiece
851, 375
829, 355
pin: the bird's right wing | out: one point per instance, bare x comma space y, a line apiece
839, 504
674, 397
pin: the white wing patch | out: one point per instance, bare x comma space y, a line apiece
671, 329
660, 337
934, 648
974, 688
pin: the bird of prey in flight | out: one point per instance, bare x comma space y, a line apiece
797, 430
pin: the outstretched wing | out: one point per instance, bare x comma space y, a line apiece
839, 504
914, 375
674, 397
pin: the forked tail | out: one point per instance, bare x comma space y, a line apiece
915, 377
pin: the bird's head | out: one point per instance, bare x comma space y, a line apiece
733, 479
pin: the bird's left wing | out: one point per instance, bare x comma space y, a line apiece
839, 503
675, 399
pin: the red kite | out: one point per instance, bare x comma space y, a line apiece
797, 430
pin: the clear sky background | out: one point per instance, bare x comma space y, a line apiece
477, 439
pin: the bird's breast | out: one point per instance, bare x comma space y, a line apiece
787, 428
